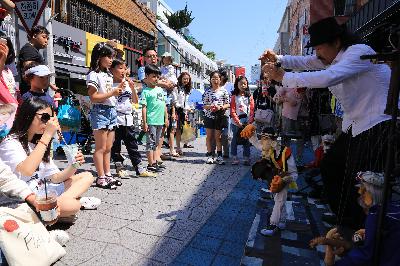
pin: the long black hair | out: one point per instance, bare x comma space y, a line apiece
187, 87
11, 52
100, 50
23, 120
236, 90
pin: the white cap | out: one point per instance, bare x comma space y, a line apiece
40, 70
376, 179
167, 54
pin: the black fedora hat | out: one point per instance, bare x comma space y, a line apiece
323, 31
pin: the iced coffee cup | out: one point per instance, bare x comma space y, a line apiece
47, 205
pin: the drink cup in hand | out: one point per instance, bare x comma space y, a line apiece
72, 152
47, 205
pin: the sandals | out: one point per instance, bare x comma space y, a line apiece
113, 180
104, 182
175, 154
188, 146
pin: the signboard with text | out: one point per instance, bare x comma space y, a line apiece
29, 12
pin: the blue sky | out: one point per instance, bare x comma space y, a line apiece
237, 31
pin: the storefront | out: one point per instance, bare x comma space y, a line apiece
70, 50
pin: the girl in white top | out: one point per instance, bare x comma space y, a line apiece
103, 116
180, 110
27, 152
167, 69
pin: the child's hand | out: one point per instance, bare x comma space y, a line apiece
79, 158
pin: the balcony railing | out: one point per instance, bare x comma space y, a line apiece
371, 14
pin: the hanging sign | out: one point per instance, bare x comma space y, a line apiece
29, 12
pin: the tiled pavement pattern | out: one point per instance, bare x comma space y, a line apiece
289, 246
222, 238
150, 221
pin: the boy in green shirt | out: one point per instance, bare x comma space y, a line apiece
154, 115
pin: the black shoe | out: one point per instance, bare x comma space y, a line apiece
161, 165
153, 168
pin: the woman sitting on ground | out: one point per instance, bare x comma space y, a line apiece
27, 151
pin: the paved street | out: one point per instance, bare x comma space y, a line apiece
169, 219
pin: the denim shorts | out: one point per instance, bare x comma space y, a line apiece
103, 117
153, 136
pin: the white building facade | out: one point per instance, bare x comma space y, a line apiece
187, 58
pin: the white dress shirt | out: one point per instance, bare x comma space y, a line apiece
360, 86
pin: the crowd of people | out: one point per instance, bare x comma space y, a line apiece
289, 109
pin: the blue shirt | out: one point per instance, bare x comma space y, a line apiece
44, 96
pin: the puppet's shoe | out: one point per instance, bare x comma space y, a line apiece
270, 230
282, 225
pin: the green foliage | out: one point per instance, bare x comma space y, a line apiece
180, 19
211, 55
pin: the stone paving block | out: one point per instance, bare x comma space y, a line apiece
157, 227
184, 229
126, 212
206, 243
213, 231
81, 250
222, 260
101, 235
195, 257
116, 255
136, 241
102, 221
232, 249
166, 250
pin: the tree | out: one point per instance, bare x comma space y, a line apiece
211, 55
180, 19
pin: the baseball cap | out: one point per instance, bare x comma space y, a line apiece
40, 70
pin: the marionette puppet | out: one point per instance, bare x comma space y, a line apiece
277, 166
352, 253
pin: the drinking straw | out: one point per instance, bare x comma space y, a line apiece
45, 187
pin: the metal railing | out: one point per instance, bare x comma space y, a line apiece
371, 14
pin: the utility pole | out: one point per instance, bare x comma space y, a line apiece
49, 52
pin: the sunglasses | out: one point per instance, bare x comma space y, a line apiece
45, 117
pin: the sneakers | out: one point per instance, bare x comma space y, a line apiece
60, 236
120, 170
235, 161
106, 183
210, 160
154, 168
147, 174
89, 203
220, 160
270, 230
161, 165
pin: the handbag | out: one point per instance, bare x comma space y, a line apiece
69, 115
264, 116
24, 240
188, 133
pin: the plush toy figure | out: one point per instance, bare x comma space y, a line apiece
371, 197
278, 168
